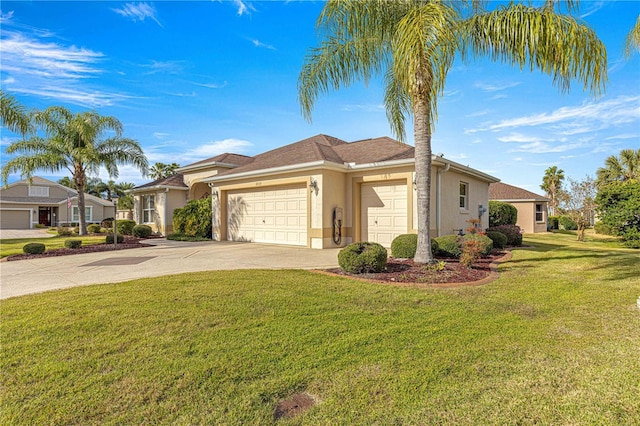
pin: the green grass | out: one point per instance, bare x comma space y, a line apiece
556, 340
9, 246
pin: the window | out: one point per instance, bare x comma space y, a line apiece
38, 191
464, 195
148, 208
539, 215
75, 217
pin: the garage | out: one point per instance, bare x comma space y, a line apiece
383, 211
276, 215
15, 219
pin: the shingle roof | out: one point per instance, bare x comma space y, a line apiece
327, 148
502, 191
176, 180
226, 158
37, 180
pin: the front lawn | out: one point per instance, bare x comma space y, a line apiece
9, 246
555, 340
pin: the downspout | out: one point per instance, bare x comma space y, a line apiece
439, 196
213, 222
166, 203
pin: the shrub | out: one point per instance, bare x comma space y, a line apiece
125, 227
142, 231
109, 239
40, 226
34, 248
603, 228
631, 237
449, 245
512, 232
107, 223
498, 238
501, 213
472, 249
64, 232
194, 219
567, 223
404, 246
73, 244
553, 222
485, 243
94, 228
362, 257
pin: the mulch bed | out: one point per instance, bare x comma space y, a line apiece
406, 272
129, 243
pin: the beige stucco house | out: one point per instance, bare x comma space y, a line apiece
320, 192
24, 204
532, 208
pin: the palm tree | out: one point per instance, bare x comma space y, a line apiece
633, 39
13, 115
161, 170
626, 167
67, 181
552, 184
75, 142
126, 201
413, 44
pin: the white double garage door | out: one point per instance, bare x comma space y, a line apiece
278, 215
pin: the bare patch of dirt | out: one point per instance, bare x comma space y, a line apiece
293, 406
405, 271
129, 243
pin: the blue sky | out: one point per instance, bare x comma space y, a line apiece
190, 80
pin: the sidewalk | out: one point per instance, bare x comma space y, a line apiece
22, 277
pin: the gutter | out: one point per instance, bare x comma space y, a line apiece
277, 170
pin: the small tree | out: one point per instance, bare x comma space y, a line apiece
579, 203
501, 213
619, 208
194, 219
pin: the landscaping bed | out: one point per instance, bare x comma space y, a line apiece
129, 243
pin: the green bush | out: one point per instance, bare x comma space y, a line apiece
567, 223
194, 219
125, 227
142, 231
485, 243
107, 223
553, 222
362, 257
34, 248
498, 238
501, 213
631, 237
404, 246
109, 239
64, 232
604, 229
449, 245
94, 228
181, 237
512, 232
73, 244
40, 226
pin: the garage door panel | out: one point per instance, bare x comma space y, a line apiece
383, 212
277, 215
15, 219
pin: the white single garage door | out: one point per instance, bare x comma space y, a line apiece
275, 215
383, 212
15, 219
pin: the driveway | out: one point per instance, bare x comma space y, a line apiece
22, 277
25, 233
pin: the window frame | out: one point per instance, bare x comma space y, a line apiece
539, 212
463, 198
148, 208
38, 191
75, 213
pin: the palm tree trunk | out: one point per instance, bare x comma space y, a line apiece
422, 138
80, 180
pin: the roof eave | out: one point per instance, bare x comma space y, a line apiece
278, 170
205, 166
156, 187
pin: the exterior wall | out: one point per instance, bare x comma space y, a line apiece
331, 194
165, 202
527, 216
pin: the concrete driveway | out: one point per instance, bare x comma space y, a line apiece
22, 277
25, 233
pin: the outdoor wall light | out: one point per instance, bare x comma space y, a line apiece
215, 194
313, 184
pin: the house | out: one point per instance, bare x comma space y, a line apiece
319, 192
532, 208
25, 203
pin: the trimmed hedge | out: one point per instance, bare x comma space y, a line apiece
512, 232
363, 257
64, 232
142, 231
449, 245
501, 213
34, 248
404, 246
73, 244
109, 239
567, 223
486, 243
94, 228
498, 238
125, 227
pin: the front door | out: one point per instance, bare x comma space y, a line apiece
44, 216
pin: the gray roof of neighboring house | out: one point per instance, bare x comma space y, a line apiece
174, 181
502, 191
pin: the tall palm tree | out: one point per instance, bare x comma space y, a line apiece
161, 170
75, 142
625, 167
552, 184
413, 43
13, 115
633, 39
126, 201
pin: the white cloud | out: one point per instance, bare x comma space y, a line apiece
139, 12
6, 18
363, 107
214, 148
9, 80
495, 87
167, 67
258, 43
243, 7
78, 96
160, 135
213, 85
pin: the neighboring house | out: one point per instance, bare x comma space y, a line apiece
24, 204
320, 192
532, 208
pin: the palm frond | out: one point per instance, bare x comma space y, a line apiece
13, 115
